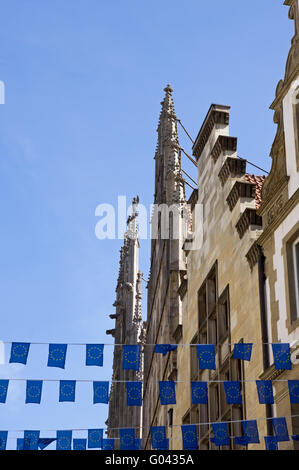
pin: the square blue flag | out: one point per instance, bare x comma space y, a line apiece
34, 391
250, 430
94, 355
57, 355
79, 444
67, 390
95, 438
243, 351
233, 392
158, 436
127, 439
32, 438
271, 443
221, 437
189, 435
19, 352
265, 392
199, 393
64, 440
3, 390
241, 441
3, 439
280, 429
167, 393
134, 393
164, 348
282, 356
108, 444
131, 357
206, 356
294, 390
100, 392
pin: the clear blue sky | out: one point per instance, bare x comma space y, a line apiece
84, 81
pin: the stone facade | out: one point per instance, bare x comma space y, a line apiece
280, 238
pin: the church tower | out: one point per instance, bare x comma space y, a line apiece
128, 329
168, 265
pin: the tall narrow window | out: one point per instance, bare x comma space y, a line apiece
296, 270
296, 124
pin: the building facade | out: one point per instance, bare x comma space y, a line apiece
224, 270
280, 237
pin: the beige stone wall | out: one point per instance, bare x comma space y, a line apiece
222, 243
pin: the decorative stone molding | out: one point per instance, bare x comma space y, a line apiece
114, 316
232, 167
252, 255
248, 218
240, 189
224, 143
217, 114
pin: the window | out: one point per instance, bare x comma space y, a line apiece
296, 270
296, 123
170, 417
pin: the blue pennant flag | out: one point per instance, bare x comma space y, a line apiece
3, 390
94, 355
108, 444
158, 436
100, 392
64, 440
79, 444
265, 392
167, 393
34, 391
282, 356
32, 437
241, 441
67, 390
138, 443
95, 438
19, 352
221, 437
294, 391
21, 445
189, 434
233, 392
296, 437
243, 351
199, 393
164, 445
271, 443
44, 442
134, 393
3, 439
131, 357
280, 429
57, 355
127, 439
251, 432
164, 348
206, 356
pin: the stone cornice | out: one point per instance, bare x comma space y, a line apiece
232, 167
249, 217
217, 114
240, 189
252, 255
224, 142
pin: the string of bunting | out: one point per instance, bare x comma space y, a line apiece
131, 354
167, 391
31, 440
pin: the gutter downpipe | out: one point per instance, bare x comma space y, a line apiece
264, 328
